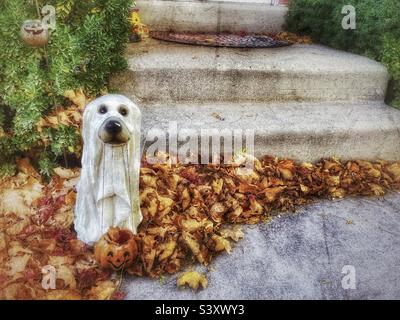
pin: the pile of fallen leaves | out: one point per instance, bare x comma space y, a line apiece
191, 214
36, 231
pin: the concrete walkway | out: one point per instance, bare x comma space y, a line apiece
301, 256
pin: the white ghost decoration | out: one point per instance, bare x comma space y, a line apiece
108, 189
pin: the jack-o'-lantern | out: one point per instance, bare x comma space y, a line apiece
34, 34
116, 249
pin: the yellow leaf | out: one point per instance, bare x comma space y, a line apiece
377, 189
185, 199
191, 225
165, 204
167, 250
304, 188
193, 279
394, 171
217, 185
235, 233
103, 290
149, 181
221, 244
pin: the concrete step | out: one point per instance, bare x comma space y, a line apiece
255, 16
302, 131
165, 71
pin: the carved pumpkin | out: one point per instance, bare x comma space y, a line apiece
34, 34
116, 249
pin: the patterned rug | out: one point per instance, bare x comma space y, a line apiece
221, 40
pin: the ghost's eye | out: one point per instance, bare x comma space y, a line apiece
103, 109
123, 110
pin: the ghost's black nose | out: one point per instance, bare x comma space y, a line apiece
113, 127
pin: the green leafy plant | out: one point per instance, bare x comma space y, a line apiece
84, 50
377, 33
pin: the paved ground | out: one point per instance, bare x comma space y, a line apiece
301, 257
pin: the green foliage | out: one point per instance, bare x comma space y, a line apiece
377, 33
391, 57
46, 163
84, 50
64, 139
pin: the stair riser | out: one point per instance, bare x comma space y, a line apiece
305, 132
368, 145
189, 16
241, 85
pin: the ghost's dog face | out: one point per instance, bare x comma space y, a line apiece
114, 115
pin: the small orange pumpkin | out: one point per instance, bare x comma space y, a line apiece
116, 249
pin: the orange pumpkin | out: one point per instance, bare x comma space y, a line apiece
116, 249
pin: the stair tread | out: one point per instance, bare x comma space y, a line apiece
165, 71
276, 118
155, 54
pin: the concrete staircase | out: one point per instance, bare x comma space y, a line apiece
304, 101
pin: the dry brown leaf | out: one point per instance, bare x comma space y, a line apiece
63, 295
233, 232
3, 242
66, 173
271, 194
18, 227
194, 247
15, 248
77, 97
65, 274
185, 199
17, 265
394, 171
216, 212
255, 206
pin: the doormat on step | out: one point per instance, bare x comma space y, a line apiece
221, 40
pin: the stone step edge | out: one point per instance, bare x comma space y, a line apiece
221, 16
305, 132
